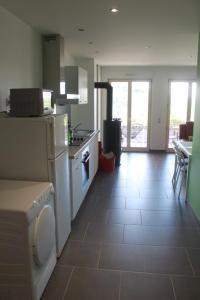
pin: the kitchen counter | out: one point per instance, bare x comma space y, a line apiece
74, 151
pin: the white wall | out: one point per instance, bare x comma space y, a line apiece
160, 77
20, 55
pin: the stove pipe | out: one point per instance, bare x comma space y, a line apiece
111, 128
108, 87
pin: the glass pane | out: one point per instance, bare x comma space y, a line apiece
139, 113
120, 106
194, 91
178, 108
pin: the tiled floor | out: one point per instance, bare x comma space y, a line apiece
132, 239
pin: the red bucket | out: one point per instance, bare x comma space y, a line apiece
107, 164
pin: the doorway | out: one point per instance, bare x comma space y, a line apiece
131, 105
182, 107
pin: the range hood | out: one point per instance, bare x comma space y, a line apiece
54, 70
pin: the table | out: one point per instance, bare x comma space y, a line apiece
186, 148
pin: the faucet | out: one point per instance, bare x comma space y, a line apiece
75, 128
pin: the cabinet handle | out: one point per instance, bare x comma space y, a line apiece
86, 160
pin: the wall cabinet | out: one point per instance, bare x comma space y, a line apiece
76, 84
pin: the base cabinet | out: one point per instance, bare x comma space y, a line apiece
94, 158
78, 189
76, 182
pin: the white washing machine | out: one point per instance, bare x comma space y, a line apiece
27, 238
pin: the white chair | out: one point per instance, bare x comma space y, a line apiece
180, 169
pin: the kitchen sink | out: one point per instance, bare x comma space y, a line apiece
83, 133
77, 143
80, 136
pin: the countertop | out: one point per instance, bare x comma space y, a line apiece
74, 151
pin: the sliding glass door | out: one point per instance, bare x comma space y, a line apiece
120, 106
182, 106
139, 114
131, 105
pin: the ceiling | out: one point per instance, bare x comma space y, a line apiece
144, 32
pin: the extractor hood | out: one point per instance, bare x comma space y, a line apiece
54, 72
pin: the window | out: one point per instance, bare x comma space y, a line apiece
182, 106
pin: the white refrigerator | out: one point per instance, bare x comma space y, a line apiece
36, 149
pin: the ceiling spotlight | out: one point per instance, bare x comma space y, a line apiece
90, 43
81, 29
114, 10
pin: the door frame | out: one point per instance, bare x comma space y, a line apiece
129, 81
189, 102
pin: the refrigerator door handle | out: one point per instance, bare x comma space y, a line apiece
50, 140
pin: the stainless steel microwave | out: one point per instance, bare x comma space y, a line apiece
30, 102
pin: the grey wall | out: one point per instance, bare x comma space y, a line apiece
20, 55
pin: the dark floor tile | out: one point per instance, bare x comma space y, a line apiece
194, 255
167, 218
57, 284
107, 233
88, 284
121, 257
153, 193
80, 254
111, 202
181, 236
124, 216
95, 214
166, 235
147, 235
166, 260
187, 288
152, 184
16, 292
78, 230
151, 203
144, 286
125, 192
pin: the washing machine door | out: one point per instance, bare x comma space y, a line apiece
44, 235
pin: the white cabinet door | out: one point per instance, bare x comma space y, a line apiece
76, 185
59, 175
96, 154
93, 157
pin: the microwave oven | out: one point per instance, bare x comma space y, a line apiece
30, 102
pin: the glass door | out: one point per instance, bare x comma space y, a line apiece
182, 107
139, 114
193, 100
131, 105
120, 106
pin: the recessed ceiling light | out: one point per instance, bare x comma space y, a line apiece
81, 29
90, 43
147, 47
114, 10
